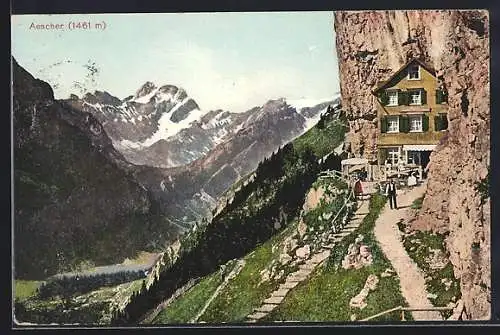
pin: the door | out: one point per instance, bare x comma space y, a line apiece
425, 157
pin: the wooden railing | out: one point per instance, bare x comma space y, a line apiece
407, 309
350, 186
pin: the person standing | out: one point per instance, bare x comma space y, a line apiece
390, 191
412, 180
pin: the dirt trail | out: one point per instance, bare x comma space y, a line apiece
389, 237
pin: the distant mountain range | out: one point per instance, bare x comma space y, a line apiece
162, 126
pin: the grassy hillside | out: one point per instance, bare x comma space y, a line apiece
323, 137
24, 289
87, 309
242, 294
324, 296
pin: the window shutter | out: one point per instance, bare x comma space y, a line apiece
444, 118
423, 95
404, 124
445, 96
382, 155
439, 97
425, 123
383, 124
437, 122
384, 98
402, 98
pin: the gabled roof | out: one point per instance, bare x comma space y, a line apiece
426, 66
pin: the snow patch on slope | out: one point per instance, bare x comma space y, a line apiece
312, 121
168, 128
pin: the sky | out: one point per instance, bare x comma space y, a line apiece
231, 61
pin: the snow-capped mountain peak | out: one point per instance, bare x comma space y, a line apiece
145, 90
162, 126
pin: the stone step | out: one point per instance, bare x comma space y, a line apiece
353, 224
362, 212
308, 266
348, 229
281, 292
274, 300
297, 278
341, 234
257, 315
266, 308
318, 258
303, 272
288, 285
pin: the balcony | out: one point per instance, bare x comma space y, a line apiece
428, 137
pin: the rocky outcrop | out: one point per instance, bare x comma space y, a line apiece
372, 45
358, 255
359, 301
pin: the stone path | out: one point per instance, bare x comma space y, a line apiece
294, 278
390, 239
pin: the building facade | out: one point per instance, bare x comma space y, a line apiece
412, 116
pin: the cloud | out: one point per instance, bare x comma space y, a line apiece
312, 47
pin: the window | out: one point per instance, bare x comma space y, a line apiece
415, 123
415, 97
413, 157
414, 72
393, 98
393, 124
393, 156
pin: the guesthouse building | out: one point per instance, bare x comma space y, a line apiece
412, 118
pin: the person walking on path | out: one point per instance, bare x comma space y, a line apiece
390, 191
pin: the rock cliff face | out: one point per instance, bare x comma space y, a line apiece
373, 44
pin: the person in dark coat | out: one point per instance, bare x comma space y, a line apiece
390, 191
358, 188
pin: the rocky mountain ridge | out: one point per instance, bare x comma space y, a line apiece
162, 126
75, 196
191, 192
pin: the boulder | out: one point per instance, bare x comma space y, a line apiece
284, 258
303, 252
387, 273
359, 300
358, 255
437, 260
